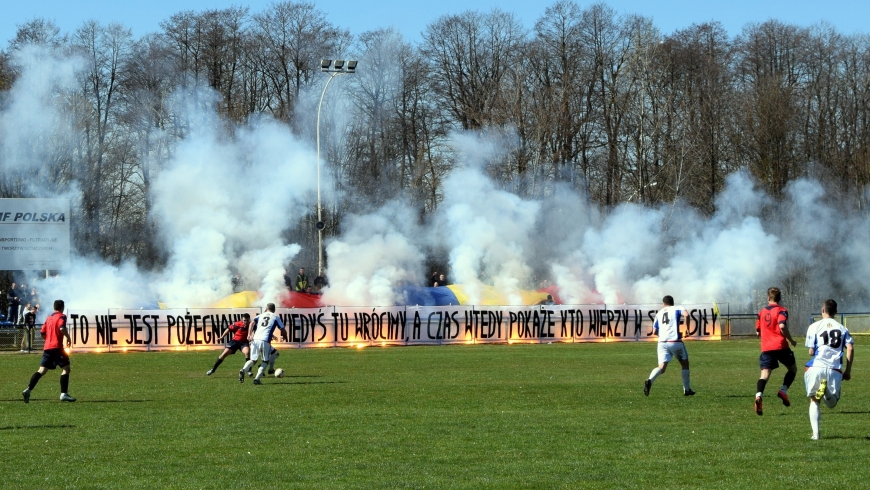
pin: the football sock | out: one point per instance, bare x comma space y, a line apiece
272, 363
685, 374
815, 417
64, 382
789, 378
247, 365
217, 363
33, 380
260, 371
655, 374
759, 387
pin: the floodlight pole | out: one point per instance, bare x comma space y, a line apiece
332, 74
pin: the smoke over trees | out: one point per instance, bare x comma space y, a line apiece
603, 103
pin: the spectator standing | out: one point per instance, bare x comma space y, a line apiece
238, 283
434, 279
320, 282
24, 299
33, 298
301, 281
29, 323
548, 301
13, 301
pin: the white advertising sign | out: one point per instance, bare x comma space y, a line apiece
34, 234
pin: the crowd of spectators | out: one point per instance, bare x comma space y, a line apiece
22, 307
19, 300
302, 285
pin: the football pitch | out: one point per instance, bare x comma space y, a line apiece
498, 416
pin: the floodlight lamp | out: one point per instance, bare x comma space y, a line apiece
351, 66
339, 65
324, 65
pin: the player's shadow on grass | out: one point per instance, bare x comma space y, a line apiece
859, 438
305, 383
114, 401
855, 412
41, 426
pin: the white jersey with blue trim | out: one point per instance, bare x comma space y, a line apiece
828, 338
266, 324
667, 323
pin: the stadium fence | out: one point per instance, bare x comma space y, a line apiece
11, 336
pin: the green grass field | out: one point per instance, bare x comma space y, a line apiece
518, 416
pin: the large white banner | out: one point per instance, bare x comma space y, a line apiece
34, 234
186, 329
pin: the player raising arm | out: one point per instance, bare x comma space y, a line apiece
826, 340
670, 345
261, 338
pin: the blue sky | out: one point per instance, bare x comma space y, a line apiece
848, 16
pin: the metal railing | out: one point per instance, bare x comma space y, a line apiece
855, 323
16, 338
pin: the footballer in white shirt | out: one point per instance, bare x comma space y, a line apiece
827, 341
260, 335
670, 344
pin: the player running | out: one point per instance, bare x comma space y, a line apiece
52, 330
826, 340
667, 327
772, 327
261, 337
239, 341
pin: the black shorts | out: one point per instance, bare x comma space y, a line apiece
772, 358
53, 358
235, 345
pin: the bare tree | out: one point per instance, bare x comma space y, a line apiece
772, 73
104, 49
470, 54
293, 37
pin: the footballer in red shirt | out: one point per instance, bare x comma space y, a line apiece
772, 327
239, 341
54, 332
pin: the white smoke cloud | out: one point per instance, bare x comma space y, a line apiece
223, 202
220, 203
32, 123
90, 284
487, 230
374, 257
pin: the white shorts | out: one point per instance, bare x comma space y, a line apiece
260, 348
814, 375
669, 350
